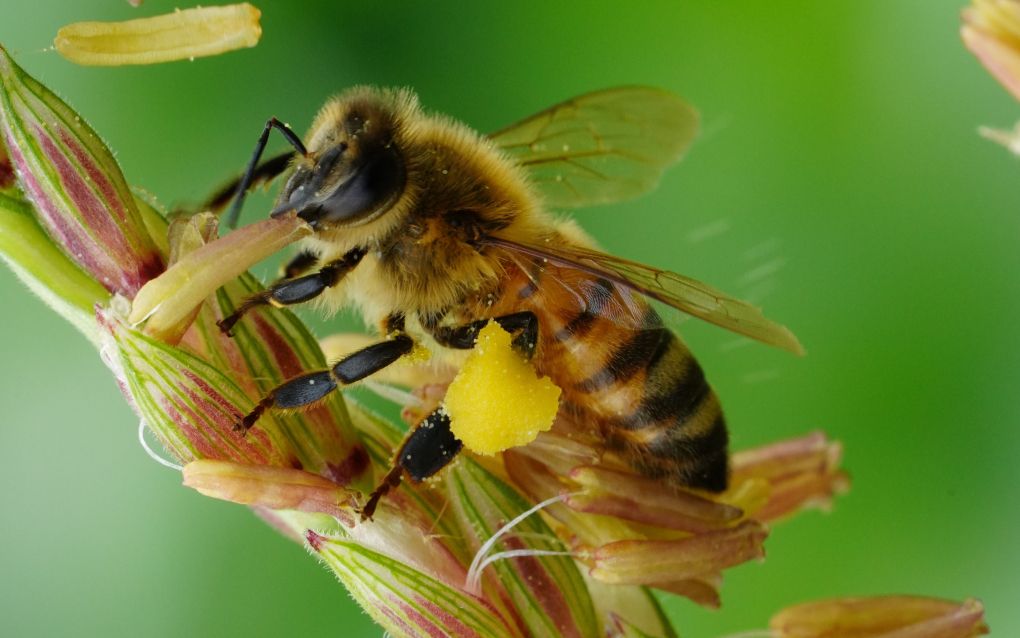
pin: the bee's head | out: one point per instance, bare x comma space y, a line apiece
354, 171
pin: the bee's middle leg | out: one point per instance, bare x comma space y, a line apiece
312, 387
298, 290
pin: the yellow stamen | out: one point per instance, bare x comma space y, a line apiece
181, 35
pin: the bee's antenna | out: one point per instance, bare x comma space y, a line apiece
249, 172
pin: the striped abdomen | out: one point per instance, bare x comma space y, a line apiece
621, 370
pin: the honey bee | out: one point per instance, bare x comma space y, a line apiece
433, 230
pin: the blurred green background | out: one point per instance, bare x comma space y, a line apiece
838, 180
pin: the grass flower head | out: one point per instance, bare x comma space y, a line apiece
555, 538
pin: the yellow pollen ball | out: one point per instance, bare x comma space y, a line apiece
497, 401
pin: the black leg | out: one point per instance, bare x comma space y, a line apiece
523, 325
249, 172
431, 446
310, 388
266, 171
299, 264
299, 290
427, 449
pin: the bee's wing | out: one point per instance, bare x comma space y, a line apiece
686, 294
601, 147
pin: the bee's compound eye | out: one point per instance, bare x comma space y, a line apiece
295, 185
372, 188
345, 189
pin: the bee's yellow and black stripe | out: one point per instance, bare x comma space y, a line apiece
672, 426
598, 297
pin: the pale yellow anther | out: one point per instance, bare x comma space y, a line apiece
181, 35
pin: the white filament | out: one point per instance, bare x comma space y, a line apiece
473, 583
393, 393
478, 564
142, 425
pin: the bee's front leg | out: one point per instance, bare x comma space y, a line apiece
298, 265
312, 387
522, 325
297, 290
427, 449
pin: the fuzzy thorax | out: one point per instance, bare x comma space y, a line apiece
457, 185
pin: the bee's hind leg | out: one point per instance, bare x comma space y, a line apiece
425, 451
298, 290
